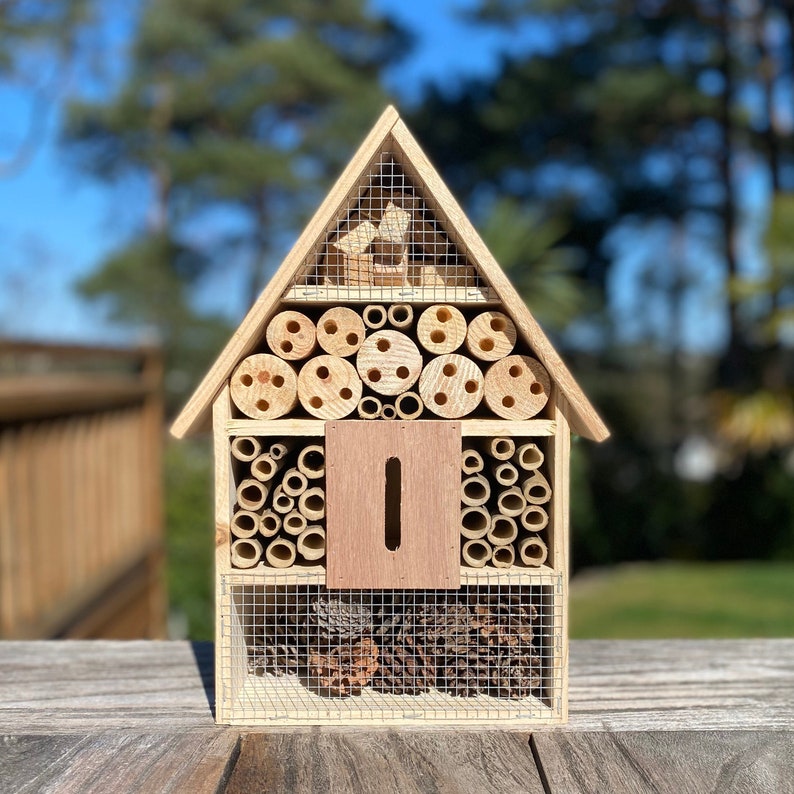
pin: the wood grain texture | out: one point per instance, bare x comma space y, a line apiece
427, 555
196, 762
671, 762
386, 762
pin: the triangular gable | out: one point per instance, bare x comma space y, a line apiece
446, 260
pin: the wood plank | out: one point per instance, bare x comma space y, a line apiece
193, 762
668, 762
334, 294
382, 762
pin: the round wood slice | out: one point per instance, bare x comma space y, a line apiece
264, 387
451, 386
389, 362
517, 387
340, 331
291, 335
441, 329
491, 336
328, 387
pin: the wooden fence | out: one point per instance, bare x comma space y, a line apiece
81, 528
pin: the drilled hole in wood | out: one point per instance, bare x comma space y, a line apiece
443, 315
323, 373
487, 344
293, 326
316, 402
345, 393
536, 388
277, 381
392, 504
508, 401
449, 370
352, 339
402, 372
440, 398
515, 371
383, 345
470, 386
498, 324
262, 405
286, 346
330, 327
246, 379
437, 337
373, 375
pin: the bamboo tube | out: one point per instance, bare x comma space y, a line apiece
529, 457
533, 551
441, 329
476, 553
264, 387
516, 387
475, 490
534, 518
369, 407
388, 411
503, 531
389, 362
340, 331
294, 523
245, 524
278, 450
500, 448
294, 482
251, 494
504, 473
311, 543
281, 553
270, 523
474, 522
451, 386
291, 335
409, 405
311, 461
400, 316
511, 502
328, 387
245, 448
264, 468
246, 552
503, 557
536, 488
471, 462
282, 503
374, 316
491, 336
312, 503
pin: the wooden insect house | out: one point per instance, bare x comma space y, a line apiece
392, 437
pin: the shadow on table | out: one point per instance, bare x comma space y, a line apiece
204, 655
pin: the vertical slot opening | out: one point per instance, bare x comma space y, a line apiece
393, 499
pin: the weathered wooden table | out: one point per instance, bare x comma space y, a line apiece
673, 716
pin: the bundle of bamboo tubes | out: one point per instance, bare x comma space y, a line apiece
503, 491
279, 515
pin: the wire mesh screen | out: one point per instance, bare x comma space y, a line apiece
388, 242
306, 654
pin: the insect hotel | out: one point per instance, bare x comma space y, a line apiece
392, 436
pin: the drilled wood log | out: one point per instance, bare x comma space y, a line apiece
491, 336
245, 524
400, 316
294, 523
475, 490
369, 407
291, 335
511, 502
328, 387
389, 362
500, 448
245, 448
264, 387
246, 553
374, 316
281, 553
503, 557
357, 239
471, 462
476, 553
251, 494
536, 489
311, 461
529, 457
503, 530
270, 523
506, 474
534, 518
282, 503
408, 405
441, 329
340, 331
311, 543
312, 503
533, 551
474, 522
264, 468
294, 482
451, 386
516, 387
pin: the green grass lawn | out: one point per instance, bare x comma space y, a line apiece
672, 599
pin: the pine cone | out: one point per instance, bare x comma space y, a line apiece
332, 617
404, 669
514, 676
345, 669
280, 659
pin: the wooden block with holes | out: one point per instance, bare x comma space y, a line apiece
392, 438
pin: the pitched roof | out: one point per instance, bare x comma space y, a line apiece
390, 134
